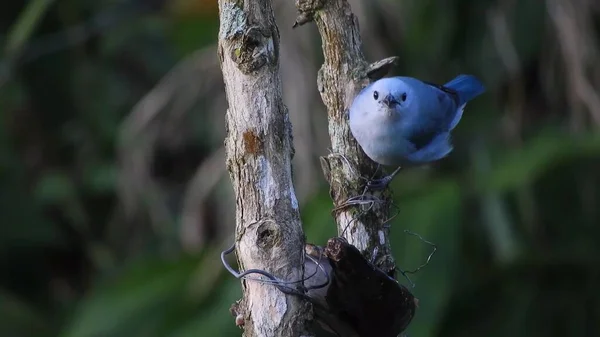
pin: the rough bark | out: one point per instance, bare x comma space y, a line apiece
259, 151
344, 73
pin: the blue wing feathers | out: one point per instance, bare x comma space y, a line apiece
467, 87
439, 148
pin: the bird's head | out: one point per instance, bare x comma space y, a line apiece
388, 97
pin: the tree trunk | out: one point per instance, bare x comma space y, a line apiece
259, 151
344, 73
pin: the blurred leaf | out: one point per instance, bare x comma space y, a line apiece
435, 215
495, 216
319, 224
418, 28
538, 155
23, 223
18, 318
187, 8
55, 187
25, 26
528, 29
214, 319
191, 33
101, 178
528, 297
135, 304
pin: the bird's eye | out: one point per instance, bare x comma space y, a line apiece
403, 97
375, 94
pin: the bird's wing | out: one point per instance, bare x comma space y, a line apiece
436, 116
420, 138
436, 149
449, 91
449, 103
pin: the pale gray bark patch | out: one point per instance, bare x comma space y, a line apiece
258, 154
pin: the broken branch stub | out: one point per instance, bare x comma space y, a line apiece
361, 300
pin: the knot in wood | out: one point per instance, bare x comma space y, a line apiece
249, 42
253, 49
268, 235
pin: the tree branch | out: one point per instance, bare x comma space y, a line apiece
344, 73
258, 153
361, 299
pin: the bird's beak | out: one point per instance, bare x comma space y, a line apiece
390, 101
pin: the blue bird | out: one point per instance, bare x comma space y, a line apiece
403, 121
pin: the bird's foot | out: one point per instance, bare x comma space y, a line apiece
379, 184
382, 183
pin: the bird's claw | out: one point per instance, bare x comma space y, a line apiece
379, 184
382, 183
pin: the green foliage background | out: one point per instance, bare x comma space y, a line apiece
514, 210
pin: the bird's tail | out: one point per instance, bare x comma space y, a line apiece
467, 87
